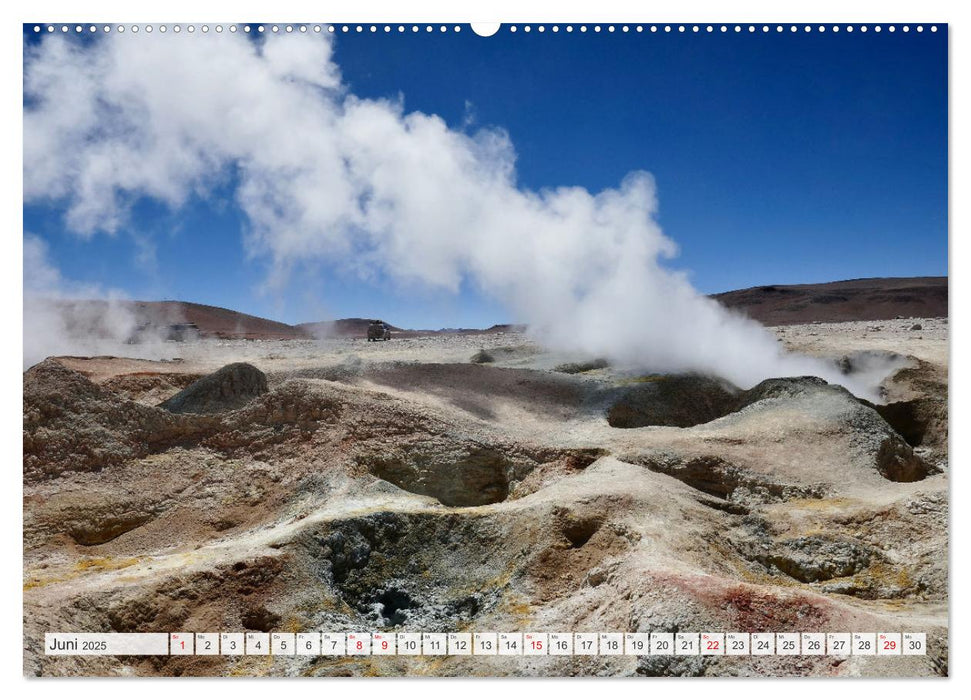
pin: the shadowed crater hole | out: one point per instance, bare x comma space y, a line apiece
392, 605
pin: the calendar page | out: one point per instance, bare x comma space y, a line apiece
613, 349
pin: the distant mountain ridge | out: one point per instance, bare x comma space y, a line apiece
866, 299
215, 321
871, 299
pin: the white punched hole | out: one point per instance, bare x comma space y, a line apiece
485, 28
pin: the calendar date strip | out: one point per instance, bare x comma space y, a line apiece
290, 644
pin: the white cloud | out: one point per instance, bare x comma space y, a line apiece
326, 176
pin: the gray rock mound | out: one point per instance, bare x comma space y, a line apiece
482, 357
780, 388
673, 400
226, 389
580, 367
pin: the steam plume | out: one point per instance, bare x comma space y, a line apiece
326, 176
62, 317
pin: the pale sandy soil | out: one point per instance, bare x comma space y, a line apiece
930, 343
830, 340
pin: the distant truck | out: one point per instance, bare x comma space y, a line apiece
378, 330
173, 332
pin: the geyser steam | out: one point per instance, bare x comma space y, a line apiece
62, 317
323, 175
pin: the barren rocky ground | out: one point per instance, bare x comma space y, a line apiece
344, 485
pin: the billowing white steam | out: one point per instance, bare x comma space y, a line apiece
62, 317
325, 176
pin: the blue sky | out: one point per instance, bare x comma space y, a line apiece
778, 158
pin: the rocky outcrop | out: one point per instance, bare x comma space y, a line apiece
720, 478
72, 424
815, 558
581, 367
461, 472
226, 389
457, 475
482, 357
674, 400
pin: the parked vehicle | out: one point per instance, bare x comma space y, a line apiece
378, 330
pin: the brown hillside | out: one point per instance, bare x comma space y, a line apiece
873, 299
87, 317
217, 321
